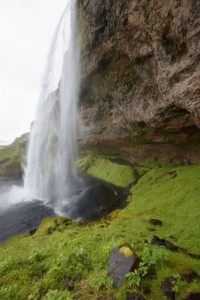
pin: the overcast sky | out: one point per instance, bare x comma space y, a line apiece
26, 29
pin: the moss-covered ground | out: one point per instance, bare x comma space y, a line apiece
67, 260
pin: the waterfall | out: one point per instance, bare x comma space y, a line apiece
50, 174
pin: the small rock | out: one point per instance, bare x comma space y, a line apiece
155, 222
167, 288
122, 261
193, 296
69, 284
134, 297
189, 277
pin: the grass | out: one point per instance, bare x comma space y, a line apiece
62, 252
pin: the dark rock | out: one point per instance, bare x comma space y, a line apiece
162, 242
155, 222
193, 296
189, 277
134, 297
167, 288
122, 261
70, 285
168, 245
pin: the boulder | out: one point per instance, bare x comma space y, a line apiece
122, 261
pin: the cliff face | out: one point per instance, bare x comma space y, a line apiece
140, 71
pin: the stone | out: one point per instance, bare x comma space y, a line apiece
167, 288
155, 222
70, 286
122, 261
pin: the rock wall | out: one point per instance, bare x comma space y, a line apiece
140, 71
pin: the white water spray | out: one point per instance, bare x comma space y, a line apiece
51, 175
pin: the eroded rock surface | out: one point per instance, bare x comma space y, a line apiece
140, 72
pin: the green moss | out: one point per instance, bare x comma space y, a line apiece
120, 175
178, 205
62, 251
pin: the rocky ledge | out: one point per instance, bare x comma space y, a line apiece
140, 75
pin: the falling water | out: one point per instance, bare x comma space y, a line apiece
51, 175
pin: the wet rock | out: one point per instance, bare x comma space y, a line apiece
134, 297
193, 296
155, 222
122, 261
98, 200
167, 288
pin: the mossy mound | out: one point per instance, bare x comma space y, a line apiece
68, 260
103, 168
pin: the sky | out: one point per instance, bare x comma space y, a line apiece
26, 30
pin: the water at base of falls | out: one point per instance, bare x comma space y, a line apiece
51, 175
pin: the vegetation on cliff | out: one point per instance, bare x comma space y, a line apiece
12, 158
